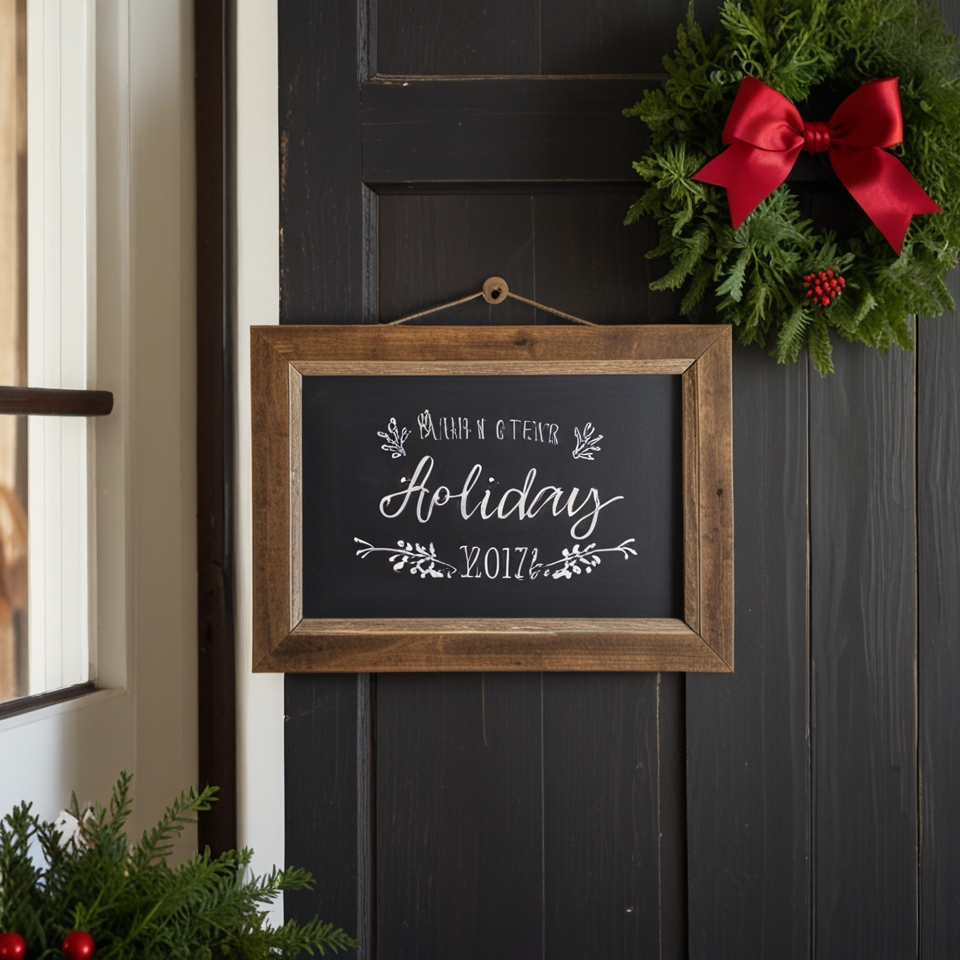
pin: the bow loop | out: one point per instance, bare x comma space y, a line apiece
765, 133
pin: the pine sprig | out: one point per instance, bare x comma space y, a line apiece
132, 902
752, 277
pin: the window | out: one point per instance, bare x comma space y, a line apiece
47, 322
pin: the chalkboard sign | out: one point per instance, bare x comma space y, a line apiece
492, 498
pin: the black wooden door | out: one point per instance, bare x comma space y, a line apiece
807, 805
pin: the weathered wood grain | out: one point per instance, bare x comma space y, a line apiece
434, 249
748, 790
272, 561
494, 645
607, 36
499, 37
321, 194
511, 344
434, 131
601, 816
459, 816
323, 820
600, 270
863, 648
438, 37
938, 481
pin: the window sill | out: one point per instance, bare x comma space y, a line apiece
16, 713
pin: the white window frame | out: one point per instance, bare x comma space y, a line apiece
61, 305
137, 260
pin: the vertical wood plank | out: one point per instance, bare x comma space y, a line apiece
601, 791
459, 816
863, 645
748, 778
324, 240
321, 196
322, 810
938, 358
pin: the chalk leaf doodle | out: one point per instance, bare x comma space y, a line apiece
582, 559
425, 562
410, 556
395, 437
587, 442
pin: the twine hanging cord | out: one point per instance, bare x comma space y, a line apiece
495, 290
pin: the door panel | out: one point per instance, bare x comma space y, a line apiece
771, 813
552, 37
436, 248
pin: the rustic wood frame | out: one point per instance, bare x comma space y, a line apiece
285, 642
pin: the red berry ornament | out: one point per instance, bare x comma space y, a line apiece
12, 946
823, 287
78, 946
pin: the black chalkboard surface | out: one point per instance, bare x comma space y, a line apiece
492, 496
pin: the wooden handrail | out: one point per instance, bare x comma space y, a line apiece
38, 401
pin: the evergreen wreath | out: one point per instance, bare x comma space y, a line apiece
759, 276
75, 887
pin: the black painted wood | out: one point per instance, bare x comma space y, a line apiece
938, 420
571, 129
323, 821
748, 790
321, 196
599, 271
601, 816
607, 36
863, 650
500, 37
457, 37
435, 249
324, 254
459, 816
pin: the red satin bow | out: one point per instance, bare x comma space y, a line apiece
766, 133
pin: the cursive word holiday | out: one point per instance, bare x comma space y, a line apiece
521, 501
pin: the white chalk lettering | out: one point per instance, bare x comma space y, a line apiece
516, 500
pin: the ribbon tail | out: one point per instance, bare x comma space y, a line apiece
749, 174
884, 187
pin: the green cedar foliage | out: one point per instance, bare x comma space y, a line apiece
753, 276
132, 902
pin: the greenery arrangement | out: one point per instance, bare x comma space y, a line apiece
128, 898
755, 275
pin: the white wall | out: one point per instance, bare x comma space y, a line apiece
260, 697
145, 485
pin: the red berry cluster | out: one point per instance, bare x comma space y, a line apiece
78, 945
824, 287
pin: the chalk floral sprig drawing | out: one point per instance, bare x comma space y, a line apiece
395, 437
587, 442
580, 559
410, 556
